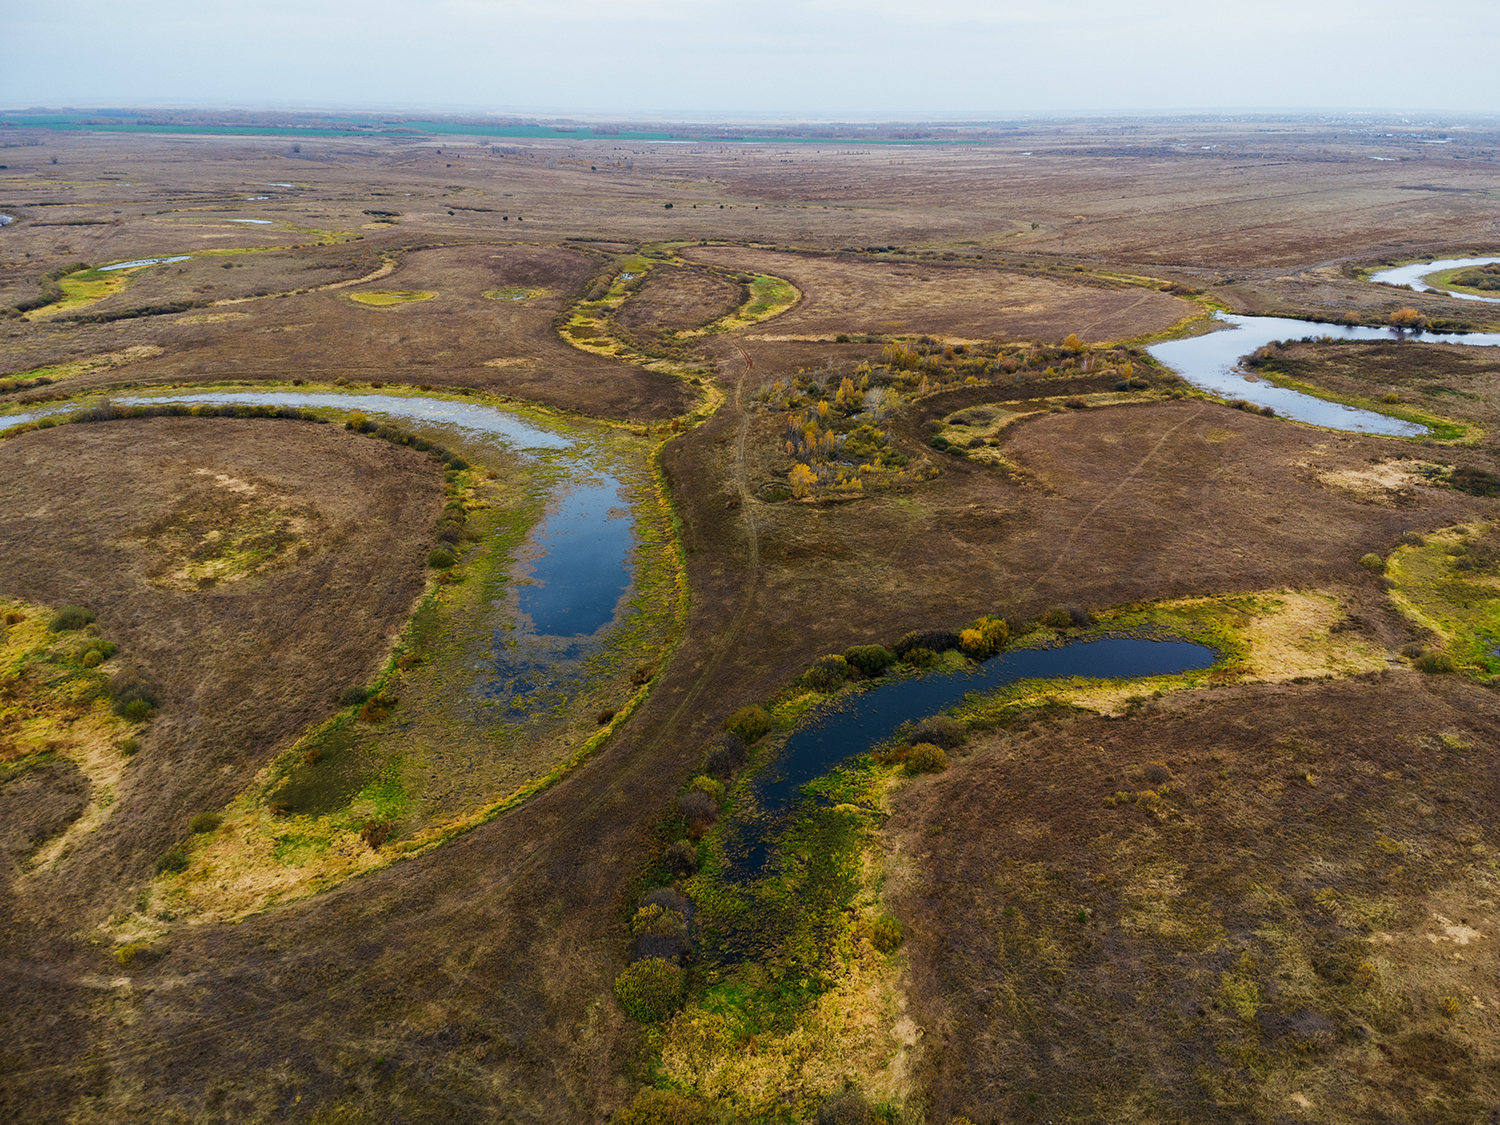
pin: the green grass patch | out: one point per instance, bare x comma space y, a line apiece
1451, 585
769, 296
514, 294
1482, 281
384, 298
1445, 430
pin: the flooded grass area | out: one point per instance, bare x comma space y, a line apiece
518, 663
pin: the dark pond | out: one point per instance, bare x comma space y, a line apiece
870, 716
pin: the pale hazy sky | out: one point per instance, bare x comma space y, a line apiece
825, 58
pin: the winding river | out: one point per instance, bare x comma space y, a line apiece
1211, 363
1416, 273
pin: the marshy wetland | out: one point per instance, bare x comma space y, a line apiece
904, 633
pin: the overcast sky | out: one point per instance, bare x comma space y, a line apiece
822, 58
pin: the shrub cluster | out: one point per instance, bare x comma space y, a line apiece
134, 696
750, 724
827, 674
933, 640
1067, 617
726, 754
869, 660
650, 989
984, 638
70, 617
204, 822
924, 757
940, 730
662, 926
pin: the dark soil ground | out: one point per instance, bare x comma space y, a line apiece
105, 515
853, 295
473, 983
1293, 932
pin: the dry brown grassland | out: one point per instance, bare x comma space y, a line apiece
1264, 894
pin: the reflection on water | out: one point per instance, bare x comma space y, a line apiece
142, 262
472, 416
586, 545
1209, 362
1413, 274
569, 591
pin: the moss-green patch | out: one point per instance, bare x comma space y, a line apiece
84, 287
52, 373
1445, 430
769, 296
1451, 584
385, 298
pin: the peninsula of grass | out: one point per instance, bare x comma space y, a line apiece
1449, 582
1480, 281
385, 298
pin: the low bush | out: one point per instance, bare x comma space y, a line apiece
869, 660
940, 730
354, 695
96, 653
171, 861
1067, 617
705, 784
654, 918
70, 617
441, 559
681, 860
1372, 561
920, 658
699, 810
130, 747
727, 755
204, 822
375, 833
984, 638
925, 758
749, 723
134, 697
934, 640
827, 674
1435, 663
1477, 482
650, 989
885, 934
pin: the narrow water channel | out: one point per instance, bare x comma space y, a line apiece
862, 719
1416, 273
1211, 363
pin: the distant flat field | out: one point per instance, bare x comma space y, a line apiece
964, 302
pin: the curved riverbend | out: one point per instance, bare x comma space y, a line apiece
1210, 363
1415, 273
862, 719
